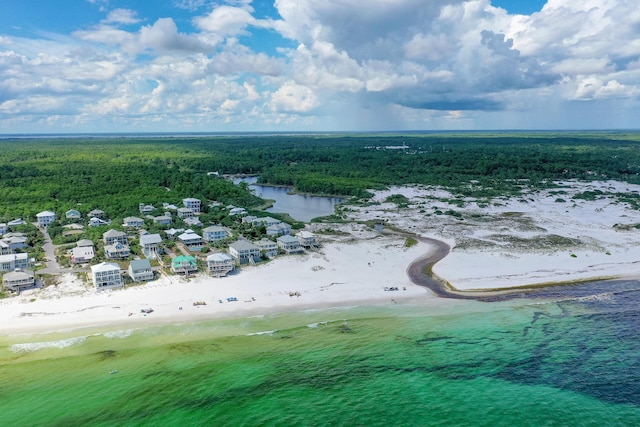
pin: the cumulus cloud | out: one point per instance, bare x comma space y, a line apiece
226, 20
293, 98
387, 63
121, 16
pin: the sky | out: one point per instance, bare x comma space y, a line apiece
78, 66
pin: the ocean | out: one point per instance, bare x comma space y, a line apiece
567, 357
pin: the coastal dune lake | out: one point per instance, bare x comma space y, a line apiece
522, 362
301, 207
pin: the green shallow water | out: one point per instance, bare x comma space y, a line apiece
510, 363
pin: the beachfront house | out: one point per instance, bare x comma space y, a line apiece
45, 218
13, 261
140, 270
191, 240
114, 236
268, 248
220, 264
106, 275
244, 251
185, 213
72, 214
184, 264
117, 250
18, 280
289, 244
214, 233
191, 203
133, 222
150, 244
279, 229
307, 239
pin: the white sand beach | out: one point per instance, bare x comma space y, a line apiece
349, 272
540, 238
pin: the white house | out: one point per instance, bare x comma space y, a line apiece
289, 244
18, 280
97, 222
163, 219
144, 208
306, 239
244, 251
220, 264
112, 236
3, 228
117, 251
249, 219
96, 213
268, 248
173, 232
82, 254
191, 203
140, 270
279, 229
193, 221
185, 213
12, 261
106, 275
5, 248
133, 221
150, 244
45, 218
266, 221
214, 233
237, 211
191, 240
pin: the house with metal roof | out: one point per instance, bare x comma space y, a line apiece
244, 251
150, 245
289, 244
140, 270
112, 236
18, 280
220, 264
184, 264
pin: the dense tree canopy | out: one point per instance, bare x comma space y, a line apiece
116, 174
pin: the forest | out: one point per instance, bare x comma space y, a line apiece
115, 174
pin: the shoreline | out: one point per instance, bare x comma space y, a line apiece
506, 250
420, 272
319, 280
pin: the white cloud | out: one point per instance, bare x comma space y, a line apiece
226, 20
386, 63
122, 16
293, 98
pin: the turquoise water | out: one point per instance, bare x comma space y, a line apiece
556, 362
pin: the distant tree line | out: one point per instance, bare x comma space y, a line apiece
116, 174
